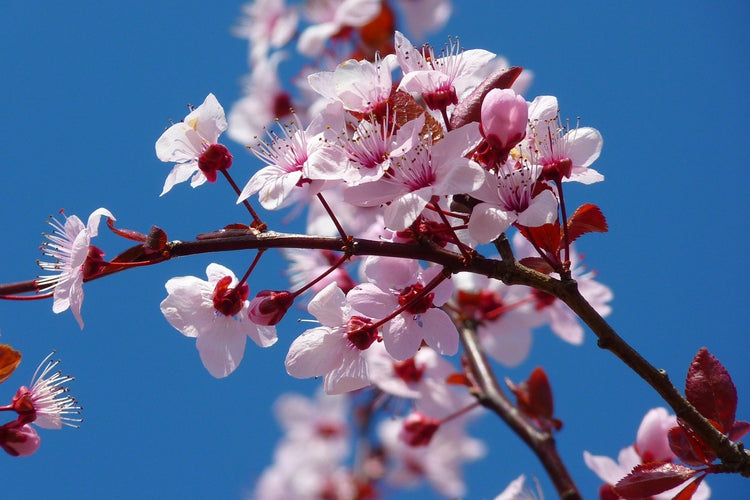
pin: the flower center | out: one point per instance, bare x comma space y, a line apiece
229, 301
361, 332
484, 305
414, 305
408, 371
216, 157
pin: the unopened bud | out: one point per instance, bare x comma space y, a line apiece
268, 307
418, 429
216, 157
504, 119
19, 440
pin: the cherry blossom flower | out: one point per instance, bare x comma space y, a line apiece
47, 403
192, 141
335, 349
424, 16
266, 24
564, 153
504, 118
439, 462
652, 444
503, 314
330, 17
429, 170
439, 80
215, 313
297, 158
263, 101
511, 196
75, 260
395, 283
563, 322
361, 86
407, 378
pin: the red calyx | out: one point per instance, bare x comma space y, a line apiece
229, 301
216, 157
417, 306
360, 332
268, 307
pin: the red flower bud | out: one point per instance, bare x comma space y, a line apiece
268, 307
19, 440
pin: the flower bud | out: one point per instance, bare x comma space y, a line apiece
504, 117
418, 429
215, 157
19, 440
268, 307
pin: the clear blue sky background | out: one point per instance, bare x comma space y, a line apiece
87, 87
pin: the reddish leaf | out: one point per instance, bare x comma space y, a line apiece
534, 397
469, 109
9, 359
710, 389
652, 478
688, 447
537, 264
546, 237
156, 241
739, 429
458, 379
587, 218
688, 491
128, 234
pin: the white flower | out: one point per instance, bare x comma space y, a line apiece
184, 142
215, 313
69, 245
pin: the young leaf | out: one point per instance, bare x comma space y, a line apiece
687, 448
9, 359
688, 491
739, 429
587, 218
710, 389
534, 397
652, 478
546, 237
468, 110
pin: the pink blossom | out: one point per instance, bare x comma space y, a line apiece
504, 117
508, 197
563, 152
75, 259
47, 403
652, 444
295, 159
425, 172
185, 142
215, 313
335, 349
361, 86
408, 378
266, 24
518, 490
439, 80
398, 282
330, 17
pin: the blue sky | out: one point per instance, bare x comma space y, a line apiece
87, 87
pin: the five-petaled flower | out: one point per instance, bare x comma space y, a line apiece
75, 260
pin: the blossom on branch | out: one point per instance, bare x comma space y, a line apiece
75, 260
192, 145
215, 312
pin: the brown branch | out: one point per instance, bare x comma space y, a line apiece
491, 396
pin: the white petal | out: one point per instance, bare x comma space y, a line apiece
488, 221
221, 348
439, 331
542, 210
584, 145
405, 209
327, 306
316, 352
180, 173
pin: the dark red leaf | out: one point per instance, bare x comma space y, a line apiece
537, 264
739, 429
125, 233
588, 218
132, 254
546, 237
652, 478
9, 360
156, 241
469, 109
689, 447
710, 389
534, 397
688, 491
